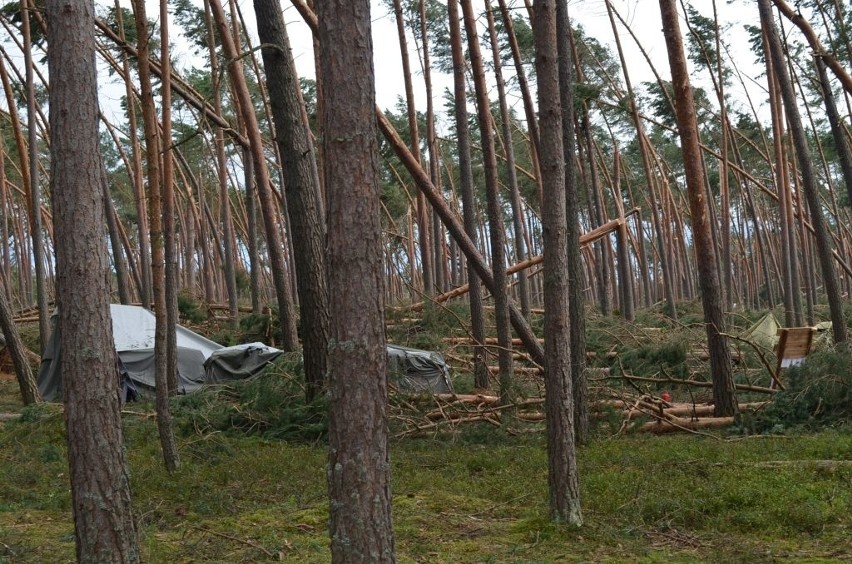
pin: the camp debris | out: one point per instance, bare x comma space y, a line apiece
201, 361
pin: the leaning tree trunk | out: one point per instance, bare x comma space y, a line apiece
841, 141
511, 172
576, 307
35, 192
358, 466
562, 475
152, 145
100, 486
275, 249
724, 396
800, 141
301, 182
477, 317
496, 230
17, 351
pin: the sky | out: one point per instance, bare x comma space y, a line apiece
642, 15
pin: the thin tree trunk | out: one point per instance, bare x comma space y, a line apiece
724, 396
576, 305
36, 231
119, 263
563, 478
841, 142
152, 145
496, 231
286, 313
301, 181
11, 340
477, 317
358, 467
511, 172
823, 238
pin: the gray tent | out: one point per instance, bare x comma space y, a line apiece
133, 333
201, 361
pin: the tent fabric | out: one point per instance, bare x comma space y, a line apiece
418, 370
201, 361
133, 333
764, 332
239, 362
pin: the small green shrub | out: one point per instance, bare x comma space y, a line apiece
189, 309
818, 394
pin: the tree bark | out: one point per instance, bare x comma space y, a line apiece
307, 214
100, 489
724, 396
477, 317
152, 146
823, 238
496, 230
563, 480
576, 305
11, 339
286, 313
358, 465
841, 142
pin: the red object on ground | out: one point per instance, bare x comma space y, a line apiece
666, 397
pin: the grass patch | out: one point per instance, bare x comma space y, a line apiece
250, 498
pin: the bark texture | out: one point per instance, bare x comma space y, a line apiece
562, 477
358, 463
724, 395
100, 490
301, 182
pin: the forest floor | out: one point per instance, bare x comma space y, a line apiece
476, 495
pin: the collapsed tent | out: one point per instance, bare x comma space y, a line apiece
133, 332
201, 361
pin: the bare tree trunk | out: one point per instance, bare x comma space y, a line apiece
823, 238
222, 176
496, 230
477, 317
307, 214
724, 396
359, 469
563, 478
145, 291
119, 263
576, 305
511, 172
841, 141
11, 339
100, 488
152, 145
269, 208
34, 188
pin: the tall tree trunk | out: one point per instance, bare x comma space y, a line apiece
841, 141
576, 305
511, 172
119, 263
563, 479
724, 397
100, 487
307, 214
823, 238
170, 278
286, 310
496, 230
477, 316
143, 233
424, 238
152, 146
359, 469
222, 176
36, 231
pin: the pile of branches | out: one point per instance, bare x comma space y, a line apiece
644, 413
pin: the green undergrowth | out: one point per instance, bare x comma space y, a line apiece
480, 497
